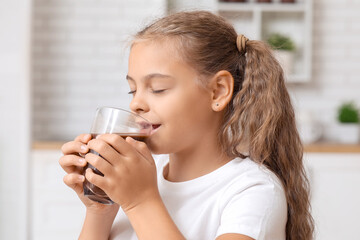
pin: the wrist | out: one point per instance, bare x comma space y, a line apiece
102, 210
145, 205
151, 220
98, 222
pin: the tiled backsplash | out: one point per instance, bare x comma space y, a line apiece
336, 63
80, 55
79, 60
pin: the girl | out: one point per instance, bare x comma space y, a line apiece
222, 115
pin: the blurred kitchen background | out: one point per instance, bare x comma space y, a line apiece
60, 59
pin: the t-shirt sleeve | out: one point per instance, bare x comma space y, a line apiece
256, 209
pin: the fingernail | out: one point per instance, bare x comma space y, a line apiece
84, 148
81, 160
86, 136
129, 139
81, 178
97, 136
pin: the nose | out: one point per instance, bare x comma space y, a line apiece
138, 104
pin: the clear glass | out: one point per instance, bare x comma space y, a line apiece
116, 121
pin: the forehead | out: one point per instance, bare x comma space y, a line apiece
155, 56
171, 46
149, 58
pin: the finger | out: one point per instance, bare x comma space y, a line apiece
75, 181
95, 179
118, 143
74, 147
141, 148
98, 162
70, 163
84, 138
107, 151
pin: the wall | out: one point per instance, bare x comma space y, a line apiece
80, 61
80, 55
14, 120
336, 62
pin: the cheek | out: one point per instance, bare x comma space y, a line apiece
184, 124
180, 108
186, 113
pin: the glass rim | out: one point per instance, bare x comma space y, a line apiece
122, 109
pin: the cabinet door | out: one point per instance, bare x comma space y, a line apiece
335, 181
56, 211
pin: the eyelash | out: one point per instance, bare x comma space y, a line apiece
158, 91
153, 91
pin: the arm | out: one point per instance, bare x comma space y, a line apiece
130, 180
233, 236
97, 225
99, 217
151, 220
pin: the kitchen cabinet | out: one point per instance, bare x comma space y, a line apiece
335, 181
258, 20
56, 211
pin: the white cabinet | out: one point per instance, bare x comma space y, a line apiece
335, 181
56, 211
259, 20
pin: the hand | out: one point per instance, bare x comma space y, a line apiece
73, 163
128, 167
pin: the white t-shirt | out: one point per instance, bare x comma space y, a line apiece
239, 197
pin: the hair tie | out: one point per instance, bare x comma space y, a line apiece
241, 43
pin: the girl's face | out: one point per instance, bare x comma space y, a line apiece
165, 91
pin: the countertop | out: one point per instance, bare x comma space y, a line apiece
320, 147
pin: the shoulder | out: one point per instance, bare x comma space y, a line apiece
255, 200
247, 173
255, 182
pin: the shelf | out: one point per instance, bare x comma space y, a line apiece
259, 20
47, 145
264, 7
323, 147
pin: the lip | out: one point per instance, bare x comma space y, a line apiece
144, 125
155, 128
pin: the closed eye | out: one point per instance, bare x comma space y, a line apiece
132, 92
158, 91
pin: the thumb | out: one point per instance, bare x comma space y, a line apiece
141, 148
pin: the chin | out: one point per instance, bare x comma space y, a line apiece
156, 148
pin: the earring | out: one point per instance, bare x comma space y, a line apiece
217, 104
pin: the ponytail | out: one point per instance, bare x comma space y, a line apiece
259, 120
262, 116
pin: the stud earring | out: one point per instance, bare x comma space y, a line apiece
217, 104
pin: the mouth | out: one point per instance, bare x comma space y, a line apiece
155, 127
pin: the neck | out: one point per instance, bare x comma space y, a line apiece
201, 158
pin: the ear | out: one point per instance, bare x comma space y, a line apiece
222, 85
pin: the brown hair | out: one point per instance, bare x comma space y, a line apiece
260, 113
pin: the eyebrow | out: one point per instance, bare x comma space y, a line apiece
150, 76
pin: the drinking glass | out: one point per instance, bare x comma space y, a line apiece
115, 121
